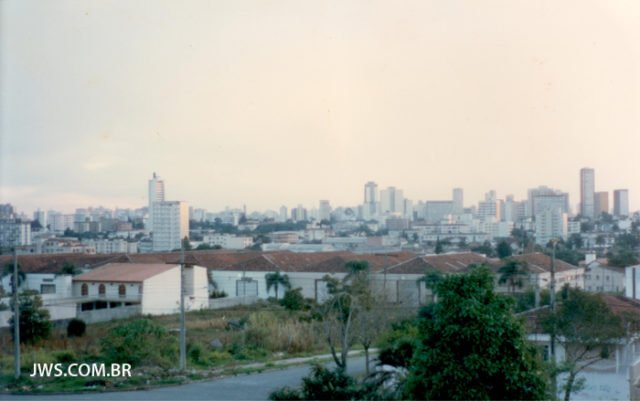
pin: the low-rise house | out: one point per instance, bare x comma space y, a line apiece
538, 268
118, 290
614, 377
600, 277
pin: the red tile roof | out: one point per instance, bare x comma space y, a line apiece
540, 263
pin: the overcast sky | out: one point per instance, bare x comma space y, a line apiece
267, 103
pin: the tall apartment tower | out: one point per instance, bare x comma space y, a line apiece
587, 193
458, 201
170, 224
156, 194
601, 203
324, 211
621, 202
391, 200
371, 200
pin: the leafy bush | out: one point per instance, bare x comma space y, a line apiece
218, 294
64, 356
321, 384
76, 328
139, 342
286, 393
293, 300
197, 354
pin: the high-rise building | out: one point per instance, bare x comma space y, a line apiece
541, 202
601, 203
371, 201
621, 202
284, 213
458, 201
170, 224
299, 214
41, 217
391, 200
435, 211
551, 224
156, 194
512, 211
490, 207
544, 196
587, 191
14, 232
324, 211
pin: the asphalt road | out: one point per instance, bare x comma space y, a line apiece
256, 386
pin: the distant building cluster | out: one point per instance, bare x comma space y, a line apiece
386, 220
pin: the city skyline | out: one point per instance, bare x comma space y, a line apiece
249, 103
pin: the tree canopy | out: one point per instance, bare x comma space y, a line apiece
471, 346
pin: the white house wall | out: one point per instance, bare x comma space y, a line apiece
161, 293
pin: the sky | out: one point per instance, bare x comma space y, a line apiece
264, 103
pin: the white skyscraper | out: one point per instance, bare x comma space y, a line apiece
490, 207
587, 191
371, 201
170, 224
324, 211
284, 213
156, 194
458, 201
391, 201
551, 224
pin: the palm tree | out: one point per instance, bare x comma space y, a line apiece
275, 280
513, 273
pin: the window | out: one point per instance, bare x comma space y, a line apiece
47, 288
102, 290
84, 290
122, 291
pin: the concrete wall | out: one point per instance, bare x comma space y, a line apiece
634, 381
220, 303
401, 288
104, 315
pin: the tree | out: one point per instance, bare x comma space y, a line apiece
472, 346
69, 269
275, 280
8, 271
575, 241
485, 248
622, 258
503, 250
186, 244
438, 249
430, 280
349, 297
513, 272
586, 328
35, 323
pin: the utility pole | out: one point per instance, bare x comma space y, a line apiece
16, 316
183, 329
552, 302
